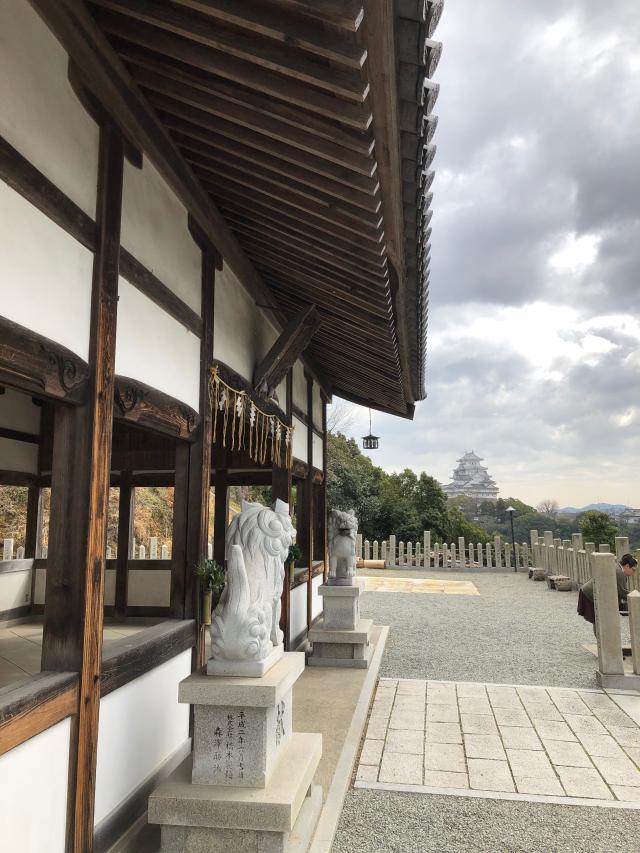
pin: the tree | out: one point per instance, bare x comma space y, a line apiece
353, 482
341, 416
597, 527
548, 507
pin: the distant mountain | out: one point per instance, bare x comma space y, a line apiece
614, 509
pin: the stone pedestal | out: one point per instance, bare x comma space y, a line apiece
248, 784
341, 637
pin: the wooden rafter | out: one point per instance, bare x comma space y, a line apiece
293, 340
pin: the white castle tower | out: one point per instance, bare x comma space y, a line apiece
472, 479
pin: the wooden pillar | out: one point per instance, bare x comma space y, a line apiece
125, 525
309, 498
281, 488
73, 618
221, 514
323, 491
179, 535
200, 451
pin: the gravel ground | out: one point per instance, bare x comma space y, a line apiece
515, 632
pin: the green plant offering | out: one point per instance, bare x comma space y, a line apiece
212, 576
294, 553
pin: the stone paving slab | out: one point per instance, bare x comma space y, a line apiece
419, 585
536, 744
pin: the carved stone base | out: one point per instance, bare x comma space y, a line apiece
281, 818
341, 646
341, 604
241, 724
247, 668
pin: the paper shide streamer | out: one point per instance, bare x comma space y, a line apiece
268, 438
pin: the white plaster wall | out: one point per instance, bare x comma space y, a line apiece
149, 588
317, 406
39, 113
33, 781
243, 333
39, 586
318, 452
45, 275
153, 347
299, 387
154, 229
141, 725
298, 605
15, 589
18, 412
316, 598
18, 456
300, 450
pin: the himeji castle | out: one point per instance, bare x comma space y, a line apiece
472, 479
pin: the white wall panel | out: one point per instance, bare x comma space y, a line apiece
300, 450
33, 781
39, 113
15, 589
243, 334
153, 347
45, 275
18, 456
299, 387
318, 452
317, 406
17, 411
316, 598
110, 587
154, 230
141, 726
149, 588
298, 610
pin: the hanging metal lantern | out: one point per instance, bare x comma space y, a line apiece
370, 442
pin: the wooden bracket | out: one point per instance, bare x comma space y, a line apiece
294, 339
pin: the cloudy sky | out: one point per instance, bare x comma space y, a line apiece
534, 324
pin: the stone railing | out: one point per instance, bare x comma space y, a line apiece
571, 558
447, 555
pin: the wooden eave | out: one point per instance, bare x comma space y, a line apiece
308, 125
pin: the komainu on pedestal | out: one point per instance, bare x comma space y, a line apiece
249, 782
341, 637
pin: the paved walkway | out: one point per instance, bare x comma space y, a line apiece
499, 740
515, 632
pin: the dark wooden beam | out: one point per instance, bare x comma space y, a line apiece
229, 48
293, 340
72, 637
125, 532
35, 705
221, 513
147, 407
19, 435
37, 365
131, 657
345, 14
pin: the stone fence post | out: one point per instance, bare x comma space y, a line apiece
507, 555
7, 549
454, 557
603, 569
427, 549
471, 559
461, 551
20, 553
384, 553
164, 553
409, 553
604, 548
359, 546
375, 549
633, 603
418, 555
367, 549
480, 563
153, 548
391, 553
622, 546
142, 553
401, 553
489, 558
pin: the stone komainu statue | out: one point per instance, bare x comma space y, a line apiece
246, 624
342, 532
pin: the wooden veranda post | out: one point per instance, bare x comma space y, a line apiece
200, 450
308, 501
125, 523
72, 639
